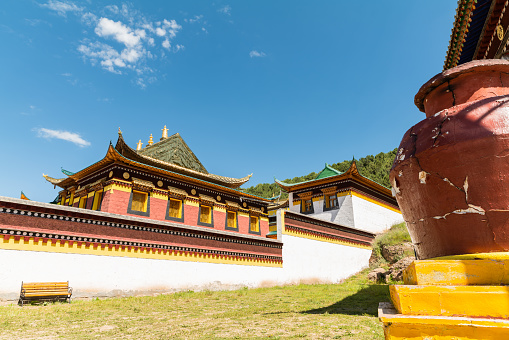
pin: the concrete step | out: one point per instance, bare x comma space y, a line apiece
412, 327
478, 269
471, 301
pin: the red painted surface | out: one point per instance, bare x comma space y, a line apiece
191, 215
115, 203
243, 224
91, 228
451, 172
158, 208
219, 220
264, 227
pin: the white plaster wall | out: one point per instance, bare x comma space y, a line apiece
311, 260
373, 217
343, 215
90, 275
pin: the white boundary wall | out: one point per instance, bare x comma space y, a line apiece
304, 260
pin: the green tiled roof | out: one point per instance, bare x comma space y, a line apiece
328, 172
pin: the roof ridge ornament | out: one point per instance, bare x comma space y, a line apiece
119, 132
150, 140
139, 145
165, 133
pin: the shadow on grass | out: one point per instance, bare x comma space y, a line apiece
364, 302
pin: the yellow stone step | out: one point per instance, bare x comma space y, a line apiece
459, 271
411, 327
472, 301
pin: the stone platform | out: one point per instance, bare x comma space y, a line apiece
455, 297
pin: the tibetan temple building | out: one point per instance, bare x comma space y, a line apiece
163, 181
348, 199
153, 219
480, 31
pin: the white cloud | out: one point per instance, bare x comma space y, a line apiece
123, 40
160, 32
32, 107
117, 31
64, 135
225, 10
67, 74
256, 54
196, 18
62, 7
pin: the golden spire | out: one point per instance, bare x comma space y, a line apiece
119, 132
138, 146
150, 140
165, 133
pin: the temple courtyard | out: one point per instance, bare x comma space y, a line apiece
316, 311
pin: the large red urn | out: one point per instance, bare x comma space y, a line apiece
450, 175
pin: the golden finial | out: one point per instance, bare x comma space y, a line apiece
119, 132
138, 146
165, 133
150, 140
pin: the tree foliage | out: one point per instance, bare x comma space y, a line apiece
375, 168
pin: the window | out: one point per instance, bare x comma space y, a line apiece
98, 196
83, 202
307, 206
205, 214
231, 220
331, 201
254, 226
139, 203
175, 208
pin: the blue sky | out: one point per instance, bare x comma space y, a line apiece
273, 88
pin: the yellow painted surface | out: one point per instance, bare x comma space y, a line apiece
91, 194
430, 331
323, 239
264, 218
410, 327
458, 272
273, 227
316, 199
480, 256
475, 301
296, 202
76, 200
218, 207
115, 186
62, 246
241, 213
192, 203
158, 195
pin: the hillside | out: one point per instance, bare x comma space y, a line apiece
375, 168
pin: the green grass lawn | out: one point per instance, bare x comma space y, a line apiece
341, 311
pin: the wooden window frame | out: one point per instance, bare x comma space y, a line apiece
96, 204
236, 228
147, 204
171, 218
327, 200
83, 202
303, 209
211, 219
257, 232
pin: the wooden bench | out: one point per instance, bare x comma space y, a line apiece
44, 291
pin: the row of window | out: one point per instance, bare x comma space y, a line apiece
330, 202
139, 205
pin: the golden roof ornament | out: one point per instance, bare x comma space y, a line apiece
119, 132
150, 140
165, 133
138, 146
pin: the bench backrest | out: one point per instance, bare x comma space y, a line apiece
44, 286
